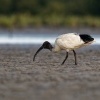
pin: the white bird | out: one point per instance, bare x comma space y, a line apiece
67, 42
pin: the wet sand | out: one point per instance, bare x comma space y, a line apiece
46, 79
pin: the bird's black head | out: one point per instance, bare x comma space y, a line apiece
86, 38
45, 45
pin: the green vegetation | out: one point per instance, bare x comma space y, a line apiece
24, 20
73, 13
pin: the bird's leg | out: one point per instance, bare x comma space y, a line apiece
75, 57
65, 58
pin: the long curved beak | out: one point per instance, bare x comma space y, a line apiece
37, 52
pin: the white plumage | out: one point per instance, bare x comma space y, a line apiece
67, 42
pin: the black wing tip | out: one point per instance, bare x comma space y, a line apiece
86, 37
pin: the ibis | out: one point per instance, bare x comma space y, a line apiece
67, 42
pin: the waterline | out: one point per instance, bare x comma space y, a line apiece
35, 39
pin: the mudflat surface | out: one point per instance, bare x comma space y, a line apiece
46, 79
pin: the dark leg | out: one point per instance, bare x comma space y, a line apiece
65, 58
75, 57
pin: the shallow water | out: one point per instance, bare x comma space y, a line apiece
38, 36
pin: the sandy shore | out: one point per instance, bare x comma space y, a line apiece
46, 79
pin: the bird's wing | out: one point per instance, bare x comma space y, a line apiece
69, 41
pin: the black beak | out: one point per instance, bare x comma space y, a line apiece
37, 52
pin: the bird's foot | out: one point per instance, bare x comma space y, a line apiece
75, 63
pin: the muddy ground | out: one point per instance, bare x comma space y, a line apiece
46, 79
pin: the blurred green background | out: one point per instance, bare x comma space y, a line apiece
37, 13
